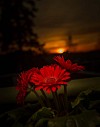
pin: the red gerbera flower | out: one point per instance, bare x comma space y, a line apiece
20, 97
50, 77
68, 65
22, 84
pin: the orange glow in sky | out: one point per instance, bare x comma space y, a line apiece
79, 43
58, 50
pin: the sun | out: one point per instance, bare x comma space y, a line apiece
60, 50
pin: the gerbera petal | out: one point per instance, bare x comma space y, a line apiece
53, 89
34, 78
48, 91
68, 64
57, 71
45, 88
61, 73
58, 86
81, 67
63, 82
60, 60
38, 87
43, 71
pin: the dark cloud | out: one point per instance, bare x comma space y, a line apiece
59, 17
57, 12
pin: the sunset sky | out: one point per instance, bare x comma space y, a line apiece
56, 20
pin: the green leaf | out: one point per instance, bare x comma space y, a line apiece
40, 114
42, 123
89, 118
57, 122
17, 116
18, 112
94, 104
17, 125
80, 97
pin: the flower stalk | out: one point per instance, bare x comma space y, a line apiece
66, 99
39, 98
56, 100
46, 98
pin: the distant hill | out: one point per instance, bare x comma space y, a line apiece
19, 61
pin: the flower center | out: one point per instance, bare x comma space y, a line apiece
51, 80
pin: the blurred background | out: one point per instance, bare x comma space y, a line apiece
32, 32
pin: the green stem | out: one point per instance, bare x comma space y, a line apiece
46, 98
55, 100
61, 103
39, 99
66, 99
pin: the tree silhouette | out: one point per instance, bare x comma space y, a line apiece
17, 23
